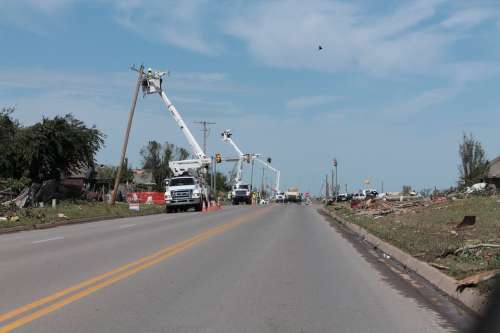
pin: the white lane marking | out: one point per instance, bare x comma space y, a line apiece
127, 226
46, 240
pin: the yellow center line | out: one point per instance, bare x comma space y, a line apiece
89, 286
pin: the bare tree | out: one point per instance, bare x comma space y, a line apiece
474, 165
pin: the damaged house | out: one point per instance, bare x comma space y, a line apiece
494, 173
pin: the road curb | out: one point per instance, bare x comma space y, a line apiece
65, 222
448, 285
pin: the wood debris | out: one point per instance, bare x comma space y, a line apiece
473, 280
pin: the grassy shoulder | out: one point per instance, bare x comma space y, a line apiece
429, 233
74, 211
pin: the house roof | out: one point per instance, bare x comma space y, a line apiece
494, 171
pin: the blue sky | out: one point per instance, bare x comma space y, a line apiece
390, 94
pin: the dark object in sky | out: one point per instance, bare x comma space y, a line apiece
320, 48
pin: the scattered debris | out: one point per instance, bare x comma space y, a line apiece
475, 246
479, 187
473, 280
439, 266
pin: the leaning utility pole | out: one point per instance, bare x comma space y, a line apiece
206, 132
127, 134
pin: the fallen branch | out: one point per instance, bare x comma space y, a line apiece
476, 246
438, 266
476, 278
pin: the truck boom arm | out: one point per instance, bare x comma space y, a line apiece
152, 84
195, 147
272, 169
226, 137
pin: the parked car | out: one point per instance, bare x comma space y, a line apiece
343, 197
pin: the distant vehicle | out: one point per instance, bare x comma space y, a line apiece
182, 193
343, 197
370, 193
293, 195
263, 202
280, 197
358, 196
241, 194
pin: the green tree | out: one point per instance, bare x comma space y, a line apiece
155, 157
58, 146
221, 182
474, 165
48, 149
8, 131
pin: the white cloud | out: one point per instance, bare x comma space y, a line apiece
471, 17
178, 23
307, 102
423, 102
286, 33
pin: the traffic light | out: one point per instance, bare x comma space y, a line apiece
269, 160
248, 158
218, 158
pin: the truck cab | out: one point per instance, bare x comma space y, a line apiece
241, 193
183, 193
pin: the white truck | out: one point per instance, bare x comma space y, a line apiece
240, 192
182, 193
187, 189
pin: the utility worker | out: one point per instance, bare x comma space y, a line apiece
149, 75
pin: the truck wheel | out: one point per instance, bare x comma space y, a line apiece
199, 207
168, 210
249, 202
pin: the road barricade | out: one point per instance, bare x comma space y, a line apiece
146, 197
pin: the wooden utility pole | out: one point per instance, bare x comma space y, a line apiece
127, 134
205, 131
327, 187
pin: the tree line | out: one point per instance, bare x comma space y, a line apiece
56, 147
47, 149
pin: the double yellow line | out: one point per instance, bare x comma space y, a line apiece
69, 295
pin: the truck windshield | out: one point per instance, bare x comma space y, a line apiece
181, 181
243, 187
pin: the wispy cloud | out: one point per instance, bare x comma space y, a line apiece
422, 102
408, 40
307, 102
179, 23
470, 17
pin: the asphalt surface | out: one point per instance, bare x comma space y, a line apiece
241, 269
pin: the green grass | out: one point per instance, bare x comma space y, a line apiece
428, 232
32, 216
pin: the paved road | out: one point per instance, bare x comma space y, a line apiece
241, 269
